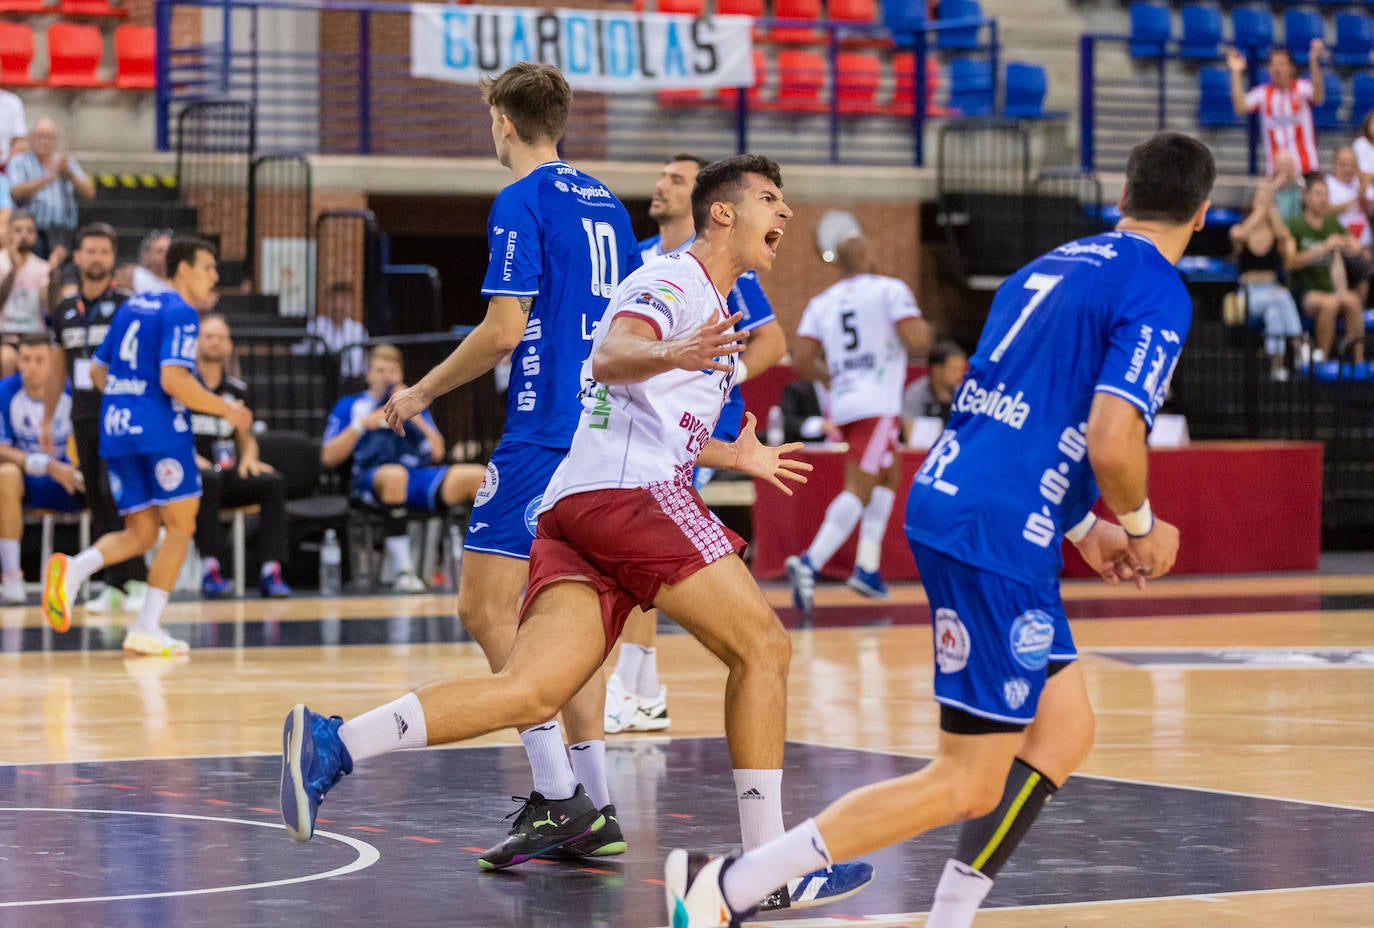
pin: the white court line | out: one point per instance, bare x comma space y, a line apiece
367, 856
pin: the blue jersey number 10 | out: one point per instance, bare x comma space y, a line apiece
604, 255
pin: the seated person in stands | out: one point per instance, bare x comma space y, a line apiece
1316, 273
395, 471
339, 330
232, 475
23, 289
930, 396
1347, 200
804, 418
30, 479
1287, 186
1263, 247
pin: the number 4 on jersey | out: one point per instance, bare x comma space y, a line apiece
1041, 284
128, 346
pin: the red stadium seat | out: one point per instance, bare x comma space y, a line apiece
801, 77
904, 97
853, 11
796, 9
24, 6
740, 7
16, 54
686, 7
135, 54
92, 8
856, 82
74, 53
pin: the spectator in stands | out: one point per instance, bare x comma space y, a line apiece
13, 126
1363, 146
1317, 272
150, 274
1284, 104
47, 182
232, 474
23, 289
1263, 247
395, 471
930, 396
28, 477
1287, 186
339, 330
804, 404
1349, 200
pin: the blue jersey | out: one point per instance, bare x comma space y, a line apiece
746, 297
561, 237
379, 446
1010, 473
21, 418
149, 332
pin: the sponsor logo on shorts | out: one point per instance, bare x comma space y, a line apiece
532, 514
116, 488
168, 473
1016, 691
1032, 633
490, 482
951, 641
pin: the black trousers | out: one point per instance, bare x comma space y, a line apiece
105, 516
225, 489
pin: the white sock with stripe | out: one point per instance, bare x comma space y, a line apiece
958, 895
589, 768
80, 568
553, 773
841, 516
395, 726
9, 555
759, 794
150, 616
762, 870
627, 665
873, 527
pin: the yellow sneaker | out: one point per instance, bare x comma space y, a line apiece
57, 605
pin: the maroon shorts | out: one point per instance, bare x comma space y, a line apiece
872, 442
627, 544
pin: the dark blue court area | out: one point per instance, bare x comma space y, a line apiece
197, 842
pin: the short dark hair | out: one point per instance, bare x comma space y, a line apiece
1313, 177
724, 180
683, 156
1168, 177
943, 350
21, 214
32, 339
96, 230
536, 97
183, 249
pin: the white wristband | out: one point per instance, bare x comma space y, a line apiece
1081, 530
357, 426
741, 371
1139, 521
36, 465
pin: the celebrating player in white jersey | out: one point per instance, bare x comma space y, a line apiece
854, 337
621, 526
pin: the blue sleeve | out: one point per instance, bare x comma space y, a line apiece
338, 419
6, 201
6, 396
1146, 329
180, 329
747, 296
516, 251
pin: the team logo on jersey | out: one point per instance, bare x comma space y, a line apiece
1015, 692
168, 473
951, 641
562, 187
1032, 633
490, 482
532, 514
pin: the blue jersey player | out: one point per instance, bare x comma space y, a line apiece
560, 241
145, 368
1073, 363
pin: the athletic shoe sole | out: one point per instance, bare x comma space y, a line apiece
858, 586
794, 567
56, 606
596, 826
295, 802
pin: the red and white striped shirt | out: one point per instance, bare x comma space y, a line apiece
1286, 123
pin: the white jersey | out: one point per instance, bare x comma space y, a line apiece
640, 434
855, 322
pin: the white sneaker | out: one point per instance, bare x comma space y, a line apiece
110, 600
408, 583
135, 592
651, 714
691, 885
621, 706
12, 592
158, 643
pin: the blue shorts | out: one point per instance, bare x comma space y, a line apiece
46, 493
422, 487
994, 637
503, 513
138, 481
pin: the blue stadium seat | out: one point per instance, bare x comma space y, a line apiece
1253, 29
970, 86
1201, 31
964, 38
1361, 96
1327, 116
1214, 108
1026, 86
1354, 39
1149, 29
1300, 27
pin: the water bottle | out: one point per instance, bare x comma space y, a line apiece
774, 432
331, 565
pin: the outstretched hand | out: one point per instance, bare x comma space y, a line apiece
1107, 549
699, 349
405, 405
756, 459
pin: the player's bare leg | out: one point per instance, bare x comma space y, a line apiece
842, 516
635, 699
461, 483
11, 530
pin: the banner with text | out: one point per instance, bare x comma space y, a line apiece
595, 50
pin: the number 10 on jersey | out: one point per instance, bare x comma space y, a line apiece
605, 257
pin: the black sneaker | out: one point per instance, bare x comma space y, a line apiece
607, 842
541, 825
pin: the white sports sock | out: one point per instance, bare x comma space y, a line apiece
398, 547
627, 665
150, 616
80, 568
756, 874
553, 774
840, 518
647, 683
589, 767
398, 725
957, 896
208, 564
759, 793
873, 527
9, 555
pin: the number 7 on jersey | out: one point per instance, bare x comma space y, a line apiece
1041, 284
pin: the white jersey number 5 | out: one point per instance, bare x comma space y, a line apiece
1042, 284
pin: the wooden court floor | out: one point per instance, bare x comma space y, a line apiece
1214, 688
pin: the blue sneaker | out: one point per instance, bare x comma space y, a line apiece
822, 887
272, 586
801, 576
213, 586
868, 583
313, 759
